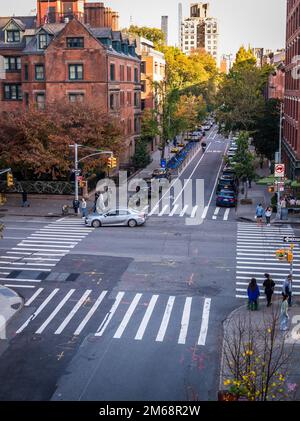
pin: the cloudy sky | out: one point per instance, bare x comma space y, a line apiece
260, 23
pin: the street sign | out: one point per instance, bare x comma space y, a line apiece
163, 163
279, 170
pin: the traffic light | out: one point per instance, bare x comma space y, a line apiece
109, 162
290, 256
113, 162
271, 189
2, 199
10, 180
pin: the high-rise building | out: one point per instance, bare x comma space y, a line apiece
291, 132
164, 27
200, 31
180, 18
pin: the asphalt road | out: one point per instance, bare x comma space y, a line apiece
119, 313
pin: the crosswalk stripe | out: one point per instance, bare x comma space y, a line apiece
185, 320
34, 296
127, 316
204, 214
19, 286
36, 249
226, 214
54, 313
141, 330
32, 269
194, 211
73, 312
216, 212
163, 210
183, 210
45, 245
20, 280
38, 311
204, 323
90, 313
165, 319
27, 263
110, 314
174, 210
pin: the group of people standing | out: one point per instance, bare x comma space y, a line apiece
261, 213
269, 286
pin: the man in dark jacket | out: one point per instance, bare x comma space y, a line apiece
269, 286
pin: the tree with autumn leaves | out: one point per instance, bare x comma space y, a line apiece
35, 144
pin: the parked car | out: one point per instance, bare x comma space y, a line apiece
228, 170
226, 198
116, 217
231, 154
175, 150
181, 145
226, 183
161, 173
206, 127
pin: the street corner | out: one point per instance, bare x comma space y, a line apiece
10, 304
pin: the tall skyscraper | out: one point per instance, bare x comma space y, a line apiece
164, 27
200, 31
180, 17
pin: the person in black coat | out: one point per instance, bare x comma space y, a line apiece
269, 286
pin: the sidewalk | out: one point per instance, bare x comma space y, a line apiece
10, 304
260, 319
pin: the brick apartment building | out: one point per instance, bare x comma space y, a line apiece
291, 132
276, 80
65, 54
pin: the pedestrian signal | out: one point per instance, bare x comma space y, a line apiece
10, 180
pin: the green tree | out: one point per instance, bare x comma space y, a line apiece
141, 156
152, 34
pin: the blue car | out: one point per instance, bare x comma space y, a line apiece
226, 198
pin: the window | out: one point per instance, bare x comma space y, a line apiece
136, 99
75, 42
129, 126
143, 86
112, 72
122, 73
12, 64
143, 104
136, 125
122, 98
13, 36
26, 96
129, 74
12, 92
136, 75
75, 71
76, 97
40, 100
39, 72
26, 72
129, 98
143, 67
112, 102
42, 41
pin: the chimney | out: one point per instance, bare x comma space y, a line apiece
95, 14
115, 21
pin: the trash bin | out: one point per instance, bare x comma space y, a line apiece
284, 214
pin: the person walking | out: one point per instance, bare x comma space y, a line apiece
268, 214
76, 205
259, 213
284, 317
253, 294
287, 289
83, 207
269, 286
25, 202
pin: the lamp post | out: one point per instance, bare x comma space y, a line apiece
76, 162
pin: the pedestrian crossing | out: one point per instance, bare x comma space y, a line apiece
256, 248
208, 213
134, 316
40, 252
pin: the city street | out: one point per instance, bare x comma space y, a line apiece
145, 304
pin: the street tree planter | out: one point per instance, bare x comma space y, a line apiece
225, 395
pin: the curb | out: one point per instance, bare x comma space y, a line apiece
10, 298
33, 215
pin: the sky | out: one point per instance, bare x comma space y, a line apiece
260, 23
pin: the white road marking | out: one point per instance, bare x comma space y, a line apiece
183, 210
226, 214
18, 252
20, 280
205, 212
35, 295
36, 249
90, 313
146, 318
38, 311
18, 286
205, 320
216, 212
73, 312
163, 210
110, 314
22, 268
127, 316
174, 210
165, 320
54, 313
185, 320
194, 211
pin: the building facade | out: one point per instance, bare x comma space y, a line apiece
200, 31
71, 61
291, 133
153, 71
165, 27
276, 80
